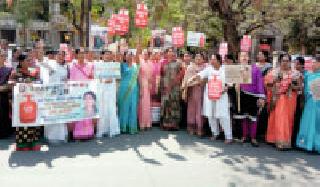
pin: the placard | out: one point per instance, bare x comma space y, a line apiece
112, 24
68, 53
38, 104
122, 22
223, 49
308, 64
315, 89
107, 70
195, 39
238, 74
141, 17
246, 43
167, 41
177, 37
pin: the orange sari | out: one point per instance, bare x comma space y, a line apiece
281, 119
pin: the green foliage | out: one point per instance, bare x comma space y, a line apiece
26, 10
293, 17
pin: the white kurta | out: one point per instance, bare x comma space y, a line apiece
108, 123
54, 73
216, 110
219, 108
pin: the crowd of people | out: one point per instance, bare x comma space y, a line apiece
278, 107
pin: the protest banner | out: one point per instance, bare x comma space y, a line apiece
107, 70
238, 74
38, 104
195, 39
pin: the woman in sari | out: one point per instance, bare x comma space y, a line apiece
5, 122
81, 71
264, 67
128, 97
145, 77
27, 138
309, 134
170, 93
194, 97
283, 83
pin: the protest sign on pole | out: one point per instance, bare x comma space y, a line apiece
38, 104
177, 37
246, 43
158, 38
223, 49
68, 53
112, 25
98, 37
123, 21
238, 74
195, 39
167, 41
141, 17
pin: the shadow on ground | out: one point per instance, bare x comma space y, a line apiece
234, 156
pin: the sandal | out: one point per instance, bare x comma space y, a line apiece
254, 143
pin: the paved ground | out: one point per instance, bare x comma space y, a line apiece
157, 158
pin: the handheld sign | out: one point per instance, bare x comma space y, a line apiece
177, 37
195, 39
141, 17
246, 43
214, 88
223, 49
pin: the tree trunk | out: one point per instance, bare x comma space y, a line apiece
25, 35
229, 23
82, 24
88, 15
231, 36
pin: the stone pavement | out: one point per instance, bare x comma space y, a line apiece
157, 159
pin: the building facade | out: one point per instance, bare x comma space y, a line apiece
57, 29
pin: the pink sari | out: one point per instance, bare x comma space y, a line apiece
145, 96
82, 129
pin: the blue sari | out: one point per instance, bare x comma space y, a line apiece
128, 98
309, 134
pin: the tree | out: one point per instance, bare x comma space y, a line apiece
25, 10
244, 16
